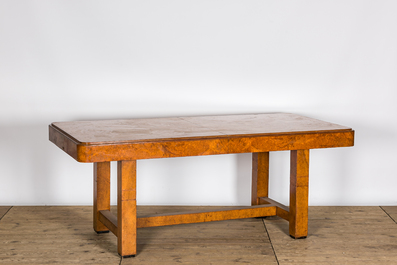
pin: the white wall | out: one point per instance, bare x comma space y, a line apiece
76, 60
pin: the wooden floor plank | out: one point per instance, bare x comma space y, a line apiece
54, 235
64, 235
338, 235
223, 242
4, 210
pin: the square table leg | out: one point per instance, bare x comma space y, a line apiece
260, 176
299, 193
126, 208
101, 193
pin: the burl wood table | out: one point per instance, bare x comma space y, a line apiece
127, 141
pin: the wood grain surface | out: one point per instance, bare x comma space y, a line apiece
101, 193
197, 217
135, 130
299, 193
260, 177
126, 208
126, 141
113, 140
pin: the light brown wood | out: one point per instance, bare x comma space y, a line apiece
191, 128
260, 177
221, 145
115, 140
109, 220
281, 210
197, 217
164, 219
126, 208
126, 141
101, 193
299, 193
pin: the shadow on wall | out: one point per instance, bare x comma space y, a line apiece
32, 169
203, 180
243, 180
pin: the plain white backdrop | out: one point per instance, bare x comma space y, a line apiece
79, 60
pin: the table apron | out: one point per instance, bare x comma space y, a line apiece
230, 145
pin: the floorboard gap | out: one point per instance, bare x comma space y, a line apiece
388, 214
271, 244
1, 217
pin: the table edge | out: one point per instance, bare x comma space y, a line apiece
192, 138
199, 146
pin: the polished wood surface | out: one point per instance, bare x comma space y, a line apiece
299, 193
125, 141
101, 193
260, 177
281, 210
126, 208
110, 221
198, 217
113, 140
138, 130
93, 153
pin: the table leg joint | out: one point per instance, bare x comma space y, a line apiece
281, 210
109, 220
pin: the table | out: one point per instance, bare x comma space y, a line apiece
129, 140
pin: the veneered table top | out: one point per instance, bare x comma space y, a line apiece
162, 129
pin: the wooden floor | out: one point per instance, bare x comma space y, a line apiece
337, 235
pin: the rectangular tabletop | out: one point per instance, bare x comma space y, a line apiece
131, 139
